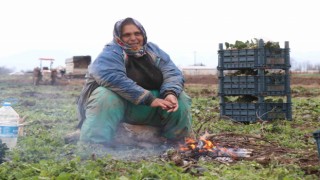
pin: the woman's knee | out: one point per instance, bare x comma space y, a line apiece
105, 97
184, 99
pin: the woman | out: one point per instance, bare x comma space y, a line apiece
133, 81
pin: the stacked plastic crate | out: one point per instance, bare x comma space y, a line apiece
263, 84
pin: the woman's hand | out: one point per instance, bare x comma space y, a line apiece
172, 99
166, 104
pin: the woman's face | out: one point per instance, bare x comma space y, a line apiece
132, 36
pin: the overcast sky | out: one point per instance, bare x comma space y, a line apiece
188, 30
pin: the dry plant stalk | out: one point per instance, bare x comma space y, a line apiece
21, 125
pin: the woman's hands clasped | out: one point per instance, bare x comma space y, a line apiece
170, 103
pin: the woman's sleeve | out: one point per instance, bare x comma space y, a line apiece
173, 79
109, 71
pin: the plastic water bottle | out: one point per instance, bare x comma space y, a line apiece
9, 119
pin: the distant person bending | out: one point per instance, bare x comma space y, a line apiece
136, 82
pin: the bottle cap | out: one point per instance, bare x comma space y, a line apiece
6, 104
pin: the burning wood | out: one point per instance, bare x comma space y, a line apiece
204, 147
187, 155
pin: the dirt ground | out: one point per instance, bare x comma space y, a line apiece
211, 79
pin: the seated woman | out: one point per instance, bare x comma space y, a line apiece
133, 81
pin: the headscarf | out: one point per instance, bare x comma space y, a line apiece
117, 38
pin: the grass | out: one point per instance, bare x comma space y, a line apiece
51, 113
306, 75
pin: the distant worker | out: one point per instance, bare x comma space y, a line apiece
62, 72
133, 81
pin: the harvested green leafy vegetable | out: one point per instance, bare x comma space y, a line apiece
3, 149
250, 44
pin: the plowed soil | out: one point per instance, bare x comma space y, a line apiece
211, 79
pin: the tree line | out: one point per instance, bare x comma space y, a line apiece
304, 66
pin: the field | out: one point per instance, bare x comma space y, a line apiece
281, 149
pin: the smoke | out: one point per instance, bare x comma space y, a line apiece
119, 152
131, 142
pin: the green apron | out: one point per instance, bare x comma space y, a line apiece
106, 109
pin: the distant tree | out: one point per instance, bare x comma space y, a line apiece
309, 66
5, 70
318, 67
293, 62
296, 65
199, 64
299, 67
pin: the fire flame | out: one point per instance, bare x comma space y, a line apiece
207, 147
192, 144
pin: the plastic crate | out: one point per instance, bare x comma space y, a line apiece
316, 136
273, 85
276, 58
250, 112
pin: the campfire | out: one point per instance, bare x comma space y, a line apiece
188, 154
204, 147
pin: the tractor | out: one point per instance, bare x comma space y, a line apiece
45, 73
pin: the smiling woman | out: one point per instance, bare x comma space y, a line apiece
136, 82
132, 36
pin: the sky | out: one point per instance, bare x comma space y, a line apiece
188, 30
